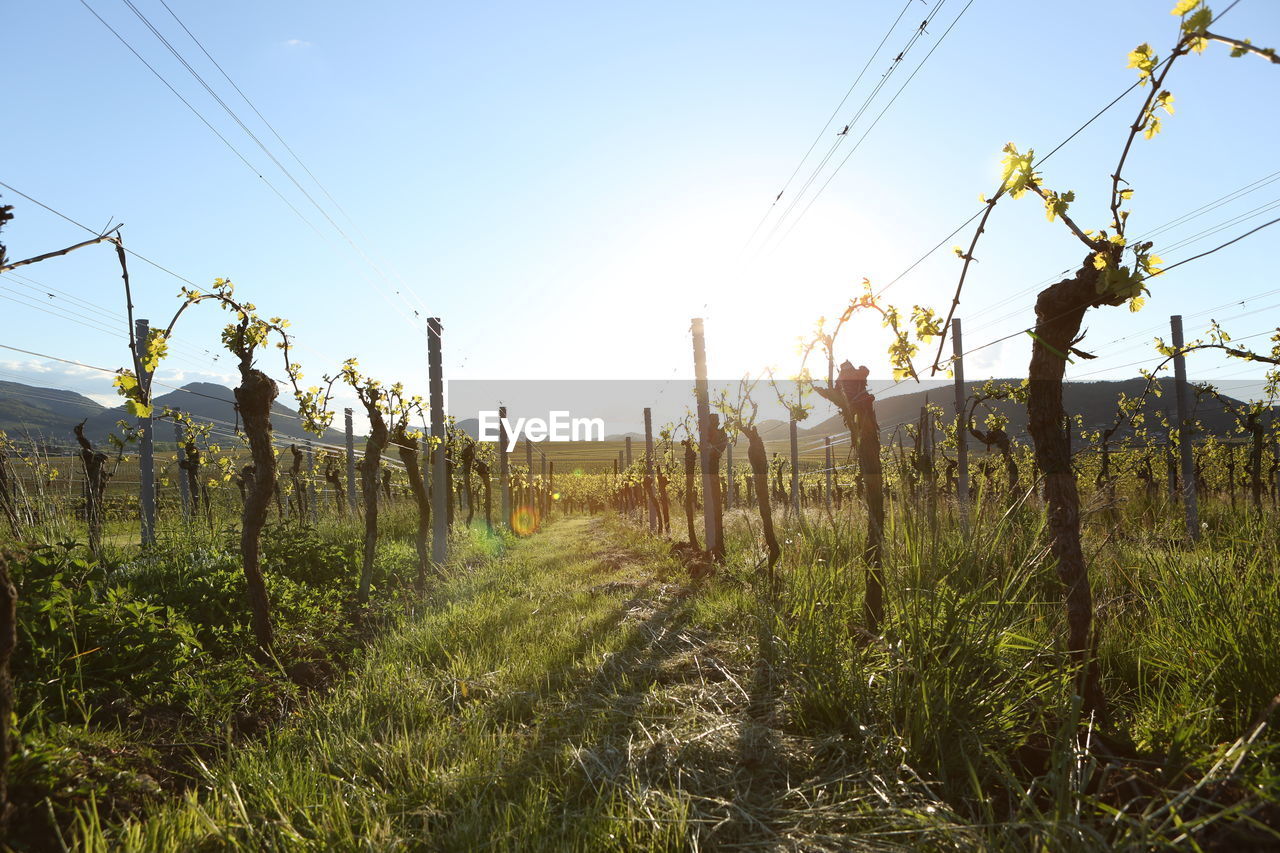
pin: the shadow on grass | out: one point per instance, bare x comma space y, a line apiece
548, 795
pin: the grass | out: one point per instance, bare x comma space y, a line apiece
580, 693
133, 669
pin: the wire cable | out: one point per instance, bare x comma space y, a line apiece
865, 133
830, 119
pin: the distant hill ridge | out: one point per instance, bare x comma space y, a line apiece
51, 415
1095, 401
37, 411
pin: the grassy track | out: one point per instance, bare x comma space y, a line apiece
508, 717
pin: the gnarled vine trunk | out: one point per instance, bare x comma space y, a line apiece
999, 439
869, 464
96, 477
334, 478
295, 479
857, 409
651, 498
717, 442
482, 469
254, 397
759, 462
190, 468
690, 487
370, 473
407, 447
1060, 309
1253, 426
664, 502
468, 461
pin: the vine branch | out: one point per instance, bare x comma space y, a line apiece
60, 252
964, 271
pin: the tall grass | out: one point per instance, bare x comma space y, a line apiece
579, 694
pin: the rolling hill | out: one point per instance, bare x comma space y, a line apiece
1096, 401
50, 415
35, 412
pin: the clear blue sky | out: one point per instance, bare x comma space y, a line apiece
566, 184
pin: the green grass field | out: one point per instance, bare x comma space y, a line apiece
576, 690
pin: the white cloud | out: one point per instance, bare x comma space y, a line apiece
95, 384
297, 43
53, 374
181, 376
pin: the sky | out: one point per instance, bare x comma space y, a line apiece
567, 184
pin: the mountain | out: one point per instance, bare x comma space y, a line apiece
52, 415
1096, 401
772, 429
28, 410
209, 403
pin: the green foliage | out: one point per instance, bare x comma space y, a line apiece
117, 653
91, 641
1144, 59
1056, 205
1017, 173
906, 335
308, 555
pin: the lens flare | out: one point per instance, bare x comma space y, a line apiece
525, 520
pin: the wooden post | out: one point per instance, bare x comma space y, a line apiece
351, 462
703, 397
624, 496
426, 471
439, 481
1184, 432
962, 429
184, 488
146, 449
504, 466
648, 470
826, 446
795, 467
